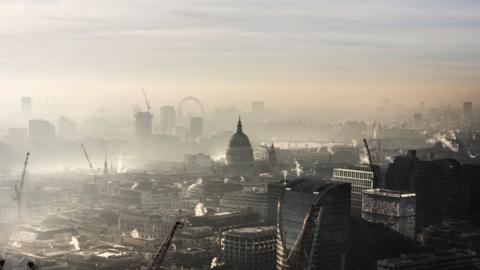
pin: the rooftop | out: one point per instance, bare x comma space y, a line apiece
389, 193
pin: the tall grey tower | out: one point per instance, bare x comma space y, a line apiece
143, 126
26, 106
168, 120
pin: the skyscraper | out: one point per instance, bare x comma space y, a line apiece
274, 194
417, 120
196, 128
438, 185
26, 106
143, 126
168, 120
314, 229
467, 110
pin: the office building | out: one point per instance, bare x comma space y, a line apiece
222, 220
394, 209
361, 178
253, 198
26, 106
250, 248
274, 193
196, 129
168, 120
467, 110
417, 121
314, 229
41, 131
448, 260
444, 188
143, 126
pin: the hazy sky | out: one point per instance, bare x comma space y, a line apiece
317, 53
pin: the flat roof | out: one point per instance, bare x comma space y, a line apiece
389, 193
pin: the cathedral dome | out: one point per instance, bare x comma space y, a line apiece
239, 139
239, 149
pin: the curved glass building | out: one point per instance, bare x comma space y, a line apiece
314, 225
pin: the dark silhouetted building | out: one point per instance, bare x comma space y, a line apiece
168, 120
444, 188
314, 229
250, 248
448, 260
454, 234
274, 192
227, 220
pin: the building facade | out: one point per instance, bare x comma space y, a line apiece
250, 248
143, 126
454, 259
392, 208
314, 228
253, 198
361, 178
168, 120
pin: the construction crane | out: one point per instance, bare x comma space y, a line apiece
370, 161
89, 161
19, 187
157, 260
149, 107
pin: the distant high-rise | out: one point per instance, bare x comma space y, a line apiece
467, 110
314, 229
168, 120
258, 107
394, 209
421, 105
250, 248
26, 106
417, 120
196, 128
143, 126
67, 129
41, 131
